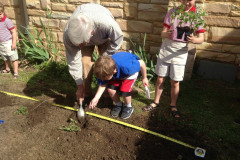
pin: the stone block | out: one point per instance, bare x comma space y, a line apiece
221, 8
235, 13
135, 26
151, 16
222, 21
45, 4
62, 24
15, 3
112, 4
84, 1
36, 12
224, 35
140, 1
210, 47
217, 56
154, 38
153, 8
53, 23
117, 13
131, 36
160, 1
5, 2
61, 15
157, 30
11, 13
70, 7
59, 7
130, 10
33, 4
235, 49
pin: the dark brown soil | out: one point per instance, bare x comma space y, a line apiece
37, 135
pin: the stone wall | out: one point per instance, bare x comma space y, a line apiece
136, 17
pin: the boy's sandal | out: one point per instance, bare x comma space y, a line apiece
175, 113
150, 107
15, 75
5, 71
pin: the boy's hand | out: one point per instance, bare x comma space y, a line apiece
167, 34
191, 38
13, 46
93, 103
145, 82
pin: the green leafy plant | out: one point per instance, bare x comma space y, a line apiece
72, 126
38, 49
194, 18
21, 110
141, 53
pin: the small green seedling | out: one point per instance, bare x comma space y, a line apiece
72, 126
21, 110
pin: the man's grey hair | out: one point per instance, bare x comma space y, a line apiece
79, 29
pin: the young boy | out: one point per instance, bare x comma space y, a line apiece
8, 38
118, 72
172, 58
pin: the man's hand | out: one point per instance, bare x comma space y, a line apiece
80, 93
93, 103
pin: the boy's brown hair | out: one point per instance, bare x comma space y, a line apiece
1, 7
104, 67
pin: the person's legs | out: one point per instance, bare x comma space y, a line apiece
176, 75
87, 62
158, 92
8, 65
112, 88
174, 92
113, 94
126, 89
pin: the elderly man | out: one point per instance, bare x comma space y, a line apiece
90, 25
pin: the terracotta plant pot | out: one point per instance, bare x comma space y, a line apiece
182, 30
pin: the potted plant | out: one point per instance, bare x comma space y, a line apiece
189, 22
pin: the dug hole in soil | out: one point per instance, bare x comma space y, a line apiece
37, 134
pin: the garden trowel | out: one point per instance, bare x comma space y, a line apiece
81, 112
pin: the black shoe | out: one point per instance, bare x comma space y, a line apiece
116, 111
126, 112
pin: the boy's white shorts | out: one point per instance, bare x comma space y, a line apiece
6, 51
174, 71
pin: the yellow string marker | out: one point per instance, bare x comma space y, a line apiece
200, 152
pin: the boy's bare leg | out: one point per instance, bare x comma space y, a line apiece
113, 94
174, 92
127, 100
8, 65
15, 66
158, 89
174, 97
